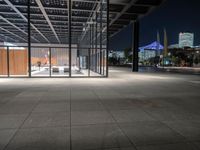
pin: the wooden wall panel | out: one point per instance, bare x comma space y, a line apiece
3, 62
18, 62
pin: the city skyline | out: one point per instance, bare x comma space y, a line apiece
183, 18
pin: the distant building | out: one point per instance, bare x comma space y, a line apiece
186, 40
116, 54
197, 47
173, 46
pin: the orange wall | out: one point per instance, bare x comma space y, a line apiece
18, 62
3, 62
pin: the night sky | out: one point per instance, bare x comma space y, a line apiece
174, 15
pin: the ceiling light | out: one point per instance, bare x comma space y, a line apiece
76, 4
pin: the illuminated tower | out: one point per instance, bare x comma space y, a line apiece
186, 39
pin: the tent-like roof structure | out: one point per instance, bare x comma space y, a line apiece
156, 46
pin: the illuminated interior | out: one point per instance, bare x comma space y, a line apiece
69, 38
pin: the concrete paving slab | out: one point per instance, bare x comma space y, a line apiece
188, 128
150, 132
126, 110
47, 119
176, 146
6, 136
133, 115
91, 117
98, 137
11, 121
40, 139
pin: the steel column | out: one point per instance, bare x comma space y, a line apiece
8, 62
92, 52
107, 36
29, 38
89, 62
96, 26
50, 62
69, 32
89, 50
101, 28
135, 45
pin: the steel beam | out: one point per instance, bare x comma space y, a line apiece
20, 14
2, 35
47, 18
16, 35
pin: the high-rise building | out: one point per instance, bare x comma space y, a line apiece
186, 39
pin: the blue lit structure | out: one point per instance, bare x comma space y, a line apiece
155, 46
150, 51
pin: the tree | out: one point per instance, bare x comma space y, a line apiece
127, 55
174, 60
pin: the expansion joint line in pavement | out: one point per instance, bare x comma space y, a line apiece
20, 127
114, 120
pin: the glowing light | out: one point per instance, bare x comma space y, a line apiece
13, 46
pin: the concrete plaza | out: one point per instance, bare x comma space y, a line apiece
127, 111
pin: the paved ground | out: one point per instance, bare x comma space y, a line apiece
128, 111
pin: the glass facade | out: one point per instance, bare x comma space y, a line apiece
43, 38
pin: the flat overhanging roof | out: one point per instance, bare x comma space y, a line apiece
49, 18
129, 10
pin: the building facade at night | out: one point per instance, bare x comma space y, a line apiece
42, 38
186, 40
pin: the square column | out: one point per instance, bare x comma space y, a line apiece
135, 45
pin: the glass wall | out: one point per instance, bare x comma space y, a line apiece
93, 41
13, 32
43, 38
59, 61
40, 63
